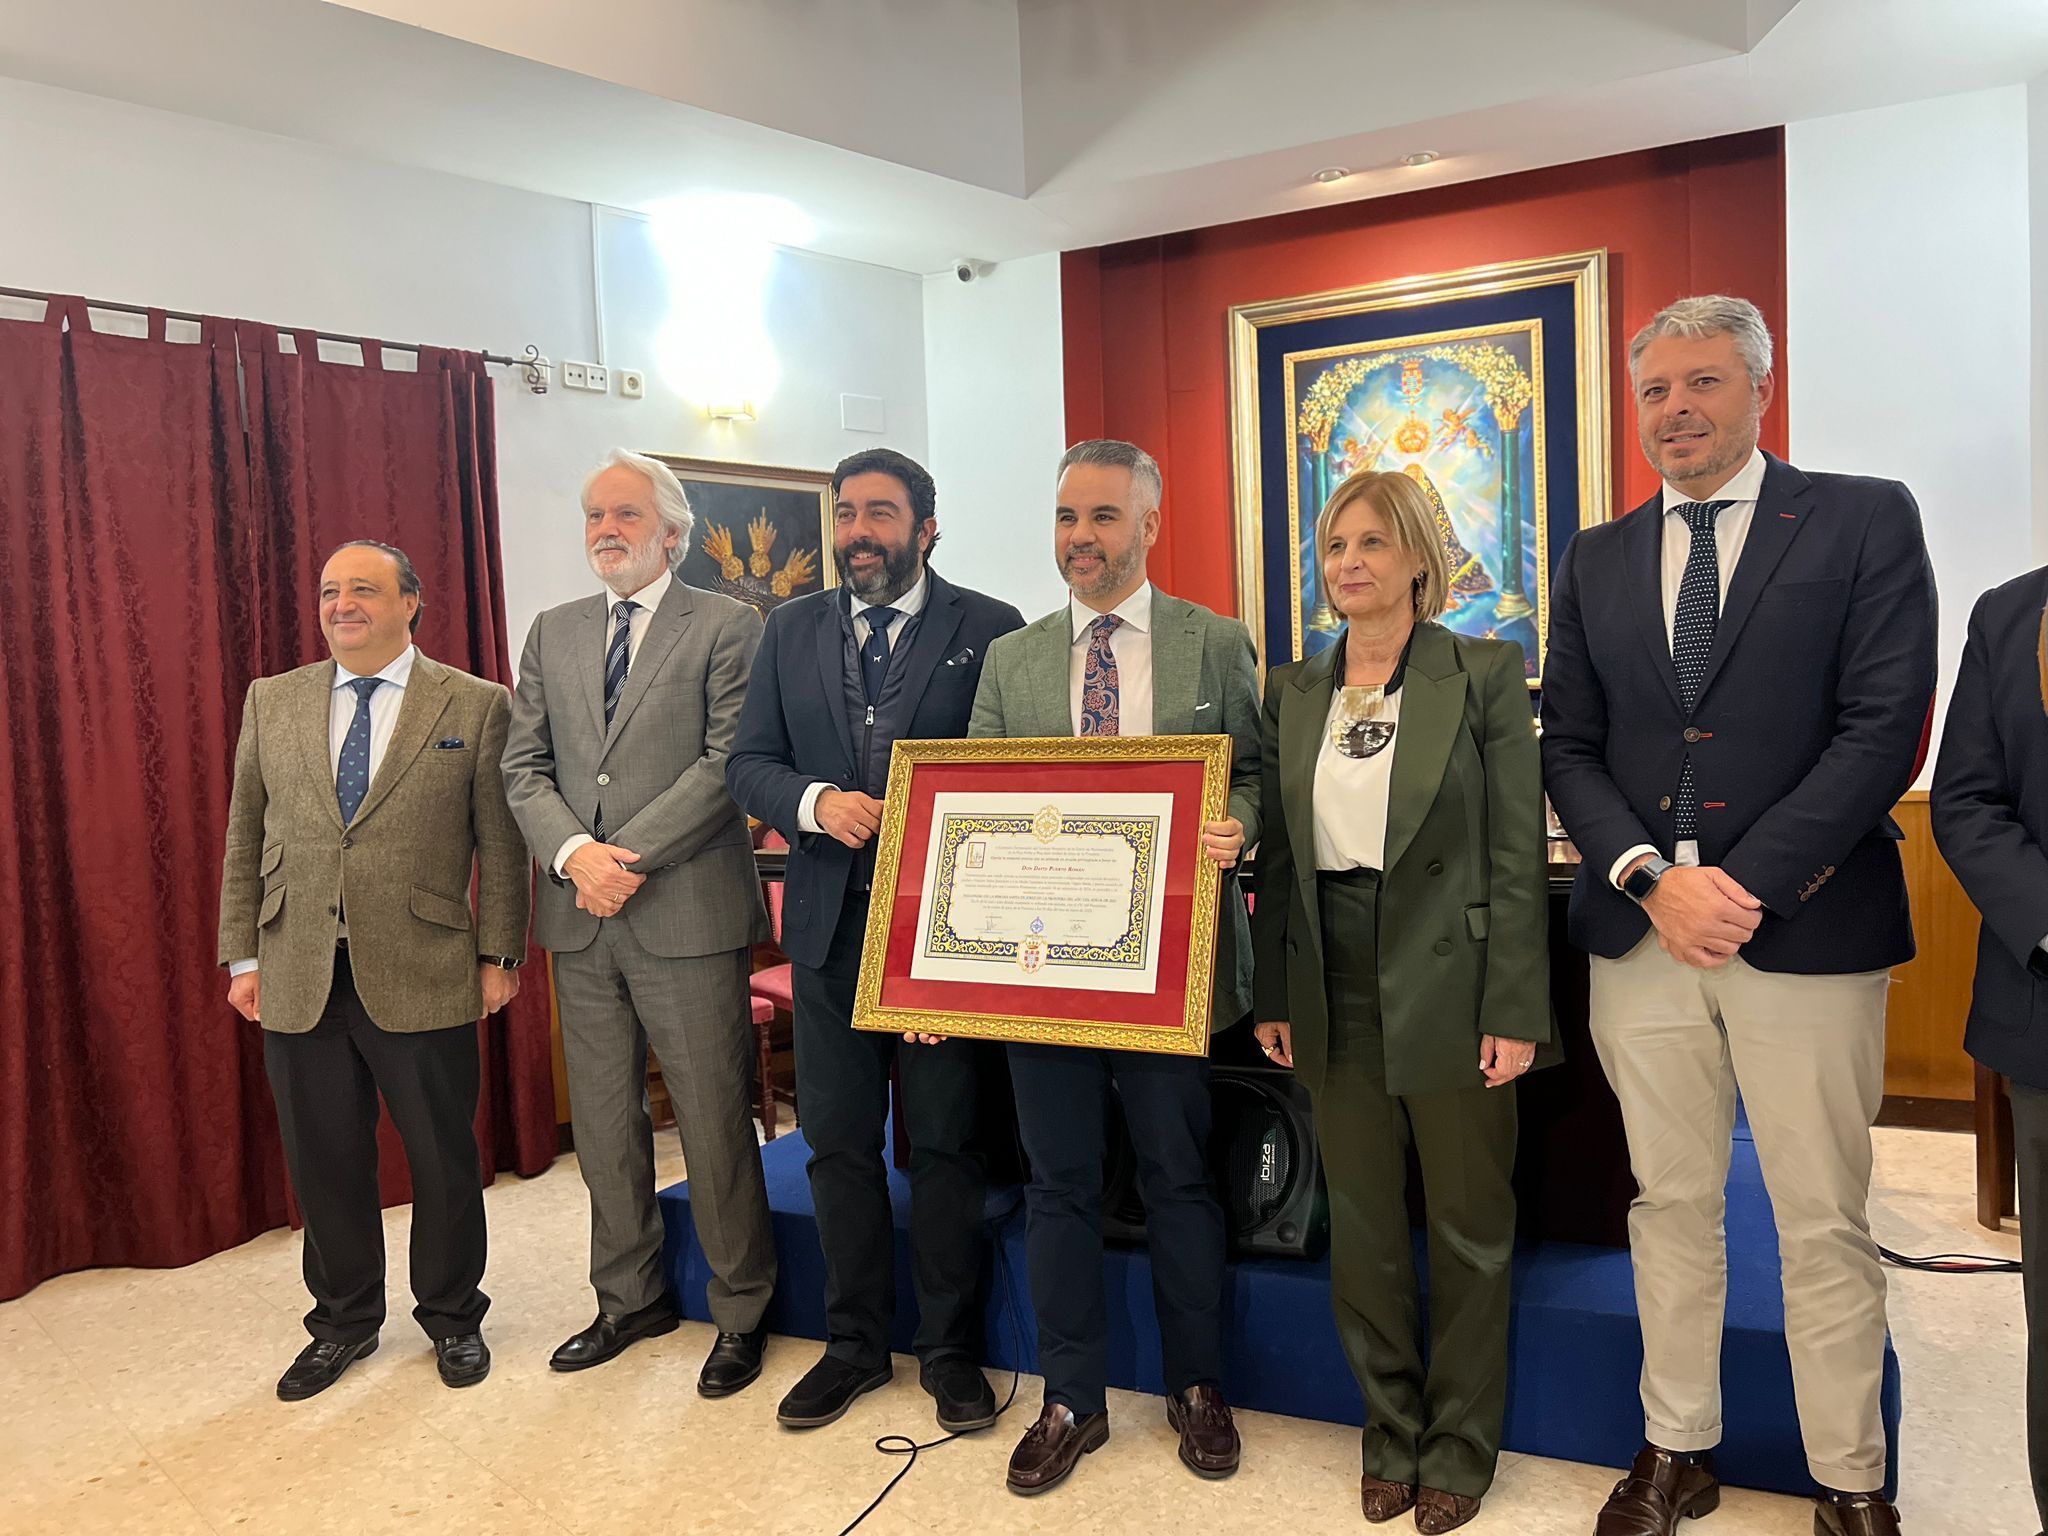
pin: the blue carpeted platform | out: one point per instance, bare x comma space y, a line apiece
1576, 1349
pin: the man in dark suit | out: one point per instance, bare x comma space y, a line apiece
1990, 811
1122, 658
1738, 676
894, 653
366, 800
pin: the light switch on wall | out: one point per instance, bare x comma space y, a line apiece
862, 413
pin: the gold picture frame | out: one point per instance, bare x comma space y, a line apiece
763, 532
1582, 274
1052, 758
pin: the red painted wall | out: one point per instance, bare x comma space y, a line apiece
1147, 356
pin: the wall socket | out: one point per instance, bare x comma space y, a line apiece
594, 377
632, 384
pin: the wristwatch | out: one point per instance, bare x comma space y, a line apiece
501, 962
1642, 880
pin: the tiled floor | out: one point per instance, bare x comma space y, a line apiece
141, 1401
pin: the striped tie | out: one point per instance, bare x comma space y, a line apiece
1692, 641
616, 658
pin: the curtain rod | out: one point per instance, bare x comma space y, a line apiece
179, 314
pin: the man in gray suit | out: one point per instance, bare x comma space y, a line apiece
366, 798
1123, 658
615, 769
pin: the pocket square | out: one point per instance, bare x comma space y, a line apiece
1200, 707
962, 659
450, 744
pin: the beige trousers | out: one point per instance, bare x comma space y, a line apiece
1806, 1054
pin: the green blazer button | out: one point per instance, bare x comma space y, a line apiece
1443, 946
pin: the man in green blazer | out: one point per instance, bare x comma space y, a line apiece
367, 798
1122, 658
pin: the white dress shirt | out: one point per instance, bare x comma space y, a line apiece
647, 599
1131, 645
1350, 796
1731, 531
385, 703
907, 606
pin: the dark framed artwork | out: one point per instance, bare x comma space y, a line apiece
1487, 386
763, 534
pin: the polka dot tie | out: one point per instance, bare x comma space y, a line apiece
1099, 680
352, 774
1692, 641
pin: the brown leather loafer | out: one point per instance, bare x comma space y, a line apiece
1382, 1500
1208, 1434
1052, 1446
1867, 1514
1658, 1492
1437, 1511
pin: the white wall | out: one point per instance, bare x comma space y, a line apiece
1908, 297
998, 426
129, 204
2037, 211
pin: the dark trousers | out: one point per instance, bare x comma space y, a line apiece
2030, 1130
326, 1084
842, 1092
1062, 1102
1436, 1421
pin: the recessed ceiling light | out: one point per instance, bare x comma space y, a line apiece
1330, 173
1421, 157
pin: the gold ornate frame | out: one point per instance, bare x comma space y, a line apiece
1586, 271
1191, 1037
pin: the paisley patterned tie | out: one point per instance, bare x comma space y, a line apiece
1099, 680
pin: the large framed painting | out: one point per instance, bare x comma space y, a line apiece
1487, 386
763, 534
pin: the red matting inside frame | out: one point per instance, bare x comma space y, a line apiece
1163, 1009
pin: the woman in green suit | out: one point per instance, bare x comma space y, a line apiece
1403, 972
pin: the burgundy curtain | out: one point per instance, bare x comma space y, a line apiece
159, 547
135, 1123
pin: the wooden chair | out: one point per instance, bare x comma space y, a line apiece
771, 989
1997, 1152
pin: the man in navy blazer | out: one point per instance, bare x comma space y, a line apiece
893, 653
1737, 682
1990, 811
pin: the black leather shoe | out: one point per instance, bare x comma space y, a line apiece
826, 1392
734, 1362
319, 1367
965, 1399
464, 1360
608, 1337
1861, 1514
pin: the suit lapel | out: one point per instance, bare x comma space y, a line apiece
1049, 668
1432, 708
1176, 665
313, 718
932, 637
1304, 710
589, 635
663, 631
831, 649
1781, 510
426, 697
1642, 549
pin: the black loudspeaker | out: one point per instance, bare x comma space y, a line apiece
1262, 1152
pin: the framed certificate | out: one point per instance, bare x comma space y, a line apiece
1049, 890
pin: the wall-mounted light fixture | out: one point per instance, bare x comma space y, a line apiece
742, 410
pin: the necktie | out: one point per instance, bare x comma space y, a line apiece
1692, 640
1099, 680
615, 657
352, 773
874, 656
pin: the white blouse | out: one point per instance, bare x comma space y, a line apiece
1351, 795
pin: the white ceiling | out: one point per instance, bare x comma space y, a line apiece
915, 131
